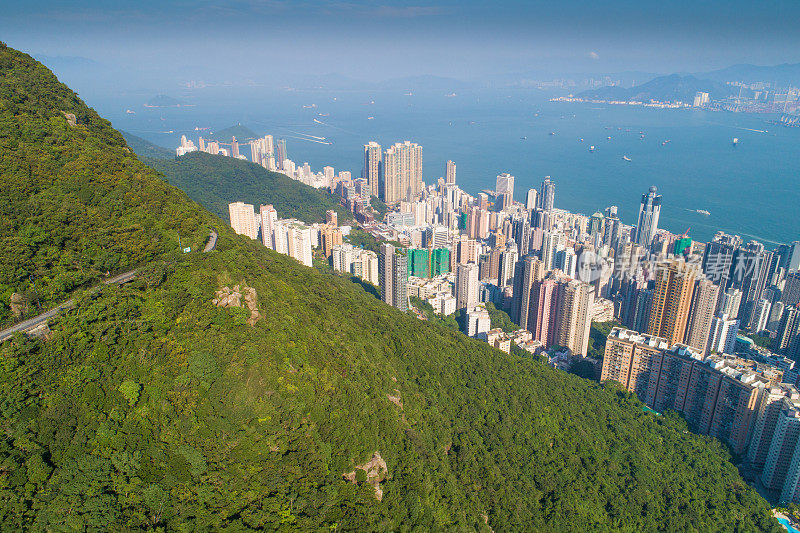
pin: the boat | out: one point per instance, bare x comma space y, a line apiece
609, 137
735, 141
581, 139
591, 148
666, 142
409, 94
451, 95
552, 133
524, 138
130, 112
370, 118
626, 158
702, 212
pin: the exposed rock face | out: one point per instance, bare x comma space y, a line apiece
396, 399
71, 120
376, 470
18, 305
227, 297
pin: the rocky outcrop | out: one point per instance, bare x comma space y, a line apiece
376, 471
227, 297
396, 399
71, 120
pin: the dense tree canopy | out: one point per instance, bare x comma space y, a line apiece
151, 407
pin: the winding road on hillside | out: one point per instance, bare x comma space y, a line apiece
32, 323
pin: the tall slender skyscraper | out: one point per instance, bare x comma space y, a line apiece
548, 194
647, 223
466, 286
704, 302
402, 172
504, 191
280, 153
672, 298
530, 199
451, 172
373, 163
393, 277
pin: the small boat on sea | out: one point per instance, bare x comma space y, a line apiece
735, 141
702, 212
591, 148
666, 142
626, 158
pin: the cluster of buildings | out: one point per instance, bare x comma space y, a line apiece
682, 304
742, 399
287, 236
268, 153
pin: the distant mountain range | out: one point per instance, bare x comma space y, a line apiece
409, 83
783, 75
670, 88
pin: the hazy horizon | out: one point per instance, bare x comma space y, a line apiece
165, 44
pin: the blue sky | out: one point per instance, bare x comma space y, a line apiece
382, 39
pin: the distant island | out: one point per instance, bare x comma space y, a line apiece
162, 100
672, 88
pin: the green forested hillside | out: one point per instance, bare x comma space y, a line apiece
214, 181
145, 148
149, 406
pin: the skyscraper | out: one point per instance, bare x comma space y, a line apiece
634, 360
466, 286
268, 219
530, 199
450, 172
672, 298
704, 302
280, 153
529, 270
575, 302
243, 219
393, 276
504, 190
373, 162
402, 172
647, 223
722, 338
548, 194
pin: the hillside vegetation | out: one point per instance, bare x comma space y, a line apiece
214, 181
154, 405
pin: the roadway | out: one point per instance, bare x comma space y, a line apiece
125, 277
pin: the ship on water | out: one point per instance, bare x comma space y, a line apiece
591, 148
735, 141
626, 158
702, 212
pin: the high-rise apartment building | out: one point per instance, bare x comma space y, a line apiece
548, 194
504, 190
450, 172
373, 163
722, 337
672, 298
281, 154
576, 299
674, 378
770, 405
529, 270
634, 360
243, 219
701, 314
466, 286
531, 199
268, 219
402, 172
647, 223
393, 274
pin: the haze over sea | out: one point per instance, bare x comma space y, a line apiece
750, 189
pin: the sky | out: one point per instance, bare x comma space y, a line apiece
263, 41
